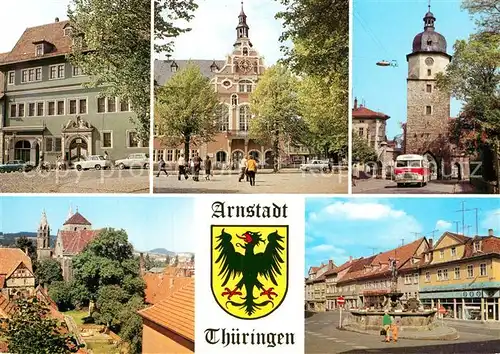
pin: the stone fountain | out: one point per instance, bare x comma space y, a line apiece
413, 321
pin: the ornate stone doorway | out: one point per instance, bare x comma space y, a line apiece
78, 149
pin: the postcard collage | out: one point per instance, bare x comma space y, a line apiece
257, 176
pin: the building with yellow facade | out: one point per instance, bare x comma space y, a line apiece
462, 274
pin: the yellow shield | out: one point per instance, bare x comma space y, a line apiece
249, 269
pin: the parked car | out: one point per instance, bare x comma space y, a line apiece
93, 161
16, 166
319, 165
139, 160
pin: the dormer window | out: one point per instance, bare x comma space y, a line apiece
39, 50
68, 31
174, 67
214, 67
429, 42
477, 246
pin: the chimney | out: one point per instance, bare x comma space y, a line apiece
431, 243
490, 232
350, 259
330, 264
26, 251
141, 264
356, 103
57, 19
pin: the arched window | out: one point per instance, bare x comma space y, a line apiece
22, 150
245, 51
234, 100
245, 86
224, 119
244, 118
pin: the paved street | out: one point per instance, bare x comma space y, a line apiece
381, 186
322, 336
284, 182
72, 181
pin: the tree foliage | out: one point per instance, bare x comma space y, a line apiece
323, 109
113, 47
48, 271
63, 295
275, 109
319, 30
187, 109
361, 151
31, 330
487, 12
24, 243
108, 273
167, 17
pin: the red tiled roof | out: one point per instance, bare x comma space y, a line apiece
11, 259
489, 245
363, 112
52, 33
7, 308
161, 286
74, 242
2, 280
176, 313
77, 219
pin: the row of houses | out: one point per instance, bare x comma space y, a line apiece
459, 273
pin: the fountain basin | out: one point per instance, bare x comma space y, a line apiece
408, 321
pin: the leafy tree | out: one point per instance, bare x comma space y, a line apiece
361, 151
48, 271
31, 330
62, 294
187, 108
324, 111
192, 257
319, 30
110, 301
275, 109
25, 243
167, 16
488, 12
113, 46
131, 329
473, 76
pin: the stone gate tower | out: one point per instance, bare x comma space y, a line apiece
43, 250
428, 109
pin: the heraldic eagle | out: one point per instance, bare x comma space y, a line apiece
249, 266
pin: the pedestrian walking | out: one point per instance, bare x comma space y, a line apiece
386, 324
354, 174
197, 167
106, 156
208, 168
243, 169
395, 331
181, 165
251, 169
191, 166
330, 167
162, 167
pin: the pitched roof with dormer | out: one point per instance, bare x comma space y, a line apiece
53, 34
12, 258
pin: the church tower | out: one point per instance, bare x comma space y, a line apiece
428, 109
43, 239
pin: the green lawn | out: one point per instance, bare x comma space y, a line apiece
77, 315
101, 347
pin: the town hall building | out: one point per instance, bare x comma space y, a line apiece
234, 79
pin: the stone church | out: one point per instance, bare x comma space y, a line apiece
428, 108
72, 238
234, 79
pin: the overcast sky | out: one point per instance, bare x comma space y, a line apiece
214, 30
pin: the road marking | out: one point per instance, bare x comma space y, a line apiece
359, 347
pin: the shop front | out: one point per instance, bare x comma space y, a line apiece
472, 304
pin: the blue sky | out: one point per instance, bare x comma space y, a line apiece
337, 228
149, 222
16, 18
214, 30
384, 30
